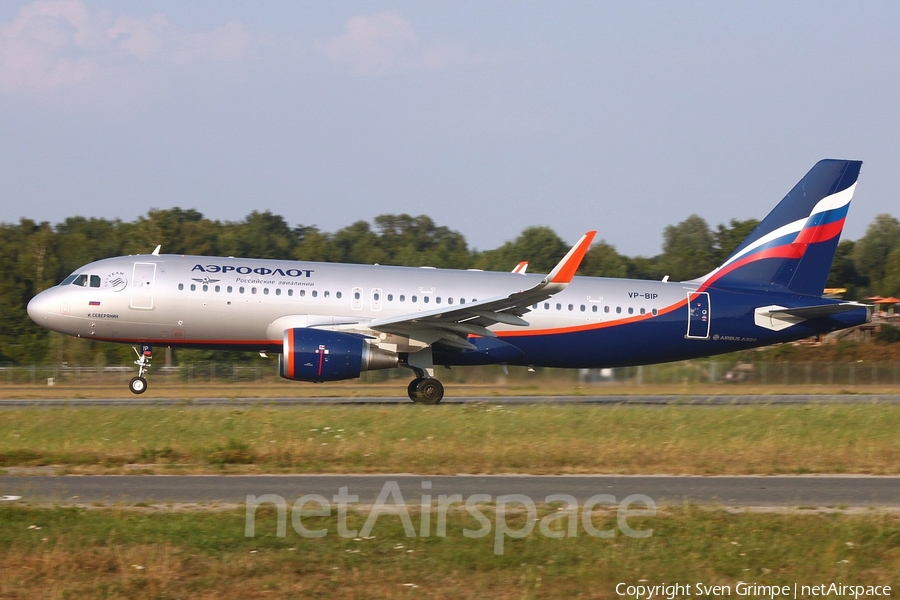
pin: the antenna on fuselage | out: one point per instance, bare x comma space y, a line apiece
156, 252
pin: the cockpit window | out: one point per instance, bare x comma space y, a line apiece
82, 280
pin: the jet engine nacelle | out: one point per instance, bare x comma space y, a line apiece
320, 355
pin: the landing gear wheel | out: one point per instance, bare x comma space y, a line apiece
412, 390
430, 390
137, 385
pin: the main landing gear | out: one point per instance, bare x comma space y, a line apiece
138, 385
424, 388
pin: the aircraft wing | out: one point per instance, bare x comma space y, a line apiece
451, 325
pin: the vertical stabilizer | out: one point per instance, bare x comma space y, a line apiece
794, 246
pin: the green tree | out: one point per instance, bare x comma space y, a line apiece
843, 272
872, 250
540, 246
688, 249
357, 243
602, 260
726, 239
641, 267
313, 244
259, 235
28, 264
417, 241
166, 228
890, 285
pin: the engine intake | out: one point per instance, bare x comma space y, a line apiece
319, 355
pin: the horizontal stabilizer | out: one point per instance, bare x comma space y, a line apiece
777, 318
816, 312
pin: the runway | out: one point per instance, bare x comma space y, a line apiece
787, 491
686, 399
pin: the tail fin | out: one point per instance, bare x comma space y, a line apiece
794, 245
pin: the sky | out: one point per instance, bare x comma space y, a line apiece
487, 116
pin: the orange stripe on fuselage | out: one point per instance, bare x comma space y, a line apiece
591, 326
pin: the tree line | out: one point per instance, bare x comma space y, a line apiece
35, 256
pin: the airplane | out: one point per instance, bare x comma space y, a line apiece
330, 322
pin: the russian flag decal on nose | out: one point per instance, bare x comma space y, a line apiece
94, 303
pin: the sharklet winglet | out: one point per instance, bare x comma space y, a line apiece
565, 270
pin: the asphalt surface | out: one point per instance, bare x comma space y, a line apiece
690, 399
788, 491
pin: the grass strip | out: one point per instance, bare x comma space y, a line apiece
143, 553
483, 438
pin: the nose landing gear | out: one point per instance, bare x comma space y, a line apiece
138, 385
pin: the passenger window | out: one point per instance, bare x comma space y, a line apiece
426, 299
571, 307
265, 291
229, 289
630, 311
290, 292
95, 281
437, 300
654, 312
546, 306
205, 288
558, 306
582, 308
414, 298
193, 287
277, 291
449, 300
643, 311
218, 289
402, 298
618, 310
240, 289
376, 296
606, 309
390, 297
302, 293
315, 293
180, 286
326, 294
253, 290
594, 308
337, 294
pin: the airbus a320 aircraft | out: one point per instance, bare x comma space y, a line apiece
330, 322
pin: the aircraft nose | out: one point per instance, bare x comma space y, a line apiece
39, 308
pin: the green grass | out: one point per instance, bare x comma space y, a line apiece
487, 438
142, 553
